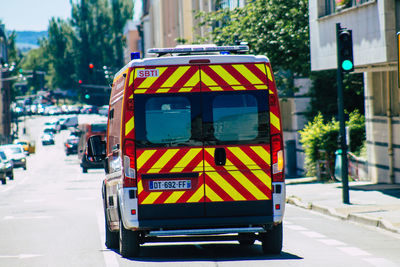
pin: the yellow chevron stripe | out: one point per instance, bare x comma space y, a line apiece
151, 198
230, 166
269, 74
218, 179
140, 186
226, 76
212, 195
140, 91
242, 179
144, 157
131, 80
253, 79
275, 121
185, 160
264, 154
174, 197
163, 90
194, 80
216, 88
185, 89
246, 160
261, 67
207, 79
167, 156
200, 167
197, 196
207, 166
271, 92
263, 177
173, 78
150, 80
261, 87
238, 87
129, 126
131, 96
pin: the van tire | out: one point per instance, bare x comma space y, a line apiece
3, 181
84, 170
272, 240
112, 239
129, 245
11, 176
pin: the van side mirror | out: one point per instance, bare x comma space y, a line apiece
96, 149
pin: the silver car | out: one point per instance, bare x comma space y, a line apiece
16, 155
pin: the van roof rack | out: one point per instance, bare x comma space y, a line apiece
198, 49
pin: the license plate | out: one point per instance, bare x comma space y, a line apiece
170, 185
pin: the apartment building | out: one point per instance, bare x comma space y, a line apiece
374, 25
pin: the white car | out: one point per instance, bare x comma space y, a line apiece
16, 154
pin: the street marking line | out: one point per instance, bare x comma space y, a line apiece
312, 234
354, 251
26, 217
20, 256
380, 262
296, 227
331, 242
110, 259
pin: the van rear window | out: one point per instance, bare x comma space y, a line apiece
99, 127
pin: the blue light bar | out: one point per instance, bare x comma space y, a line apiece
135, 55
198, 49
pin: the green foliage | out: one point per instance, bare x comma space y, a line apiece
324, 93
92, 35
320, 140
275, 28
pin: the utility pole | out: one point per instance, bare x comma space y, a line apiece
345, 64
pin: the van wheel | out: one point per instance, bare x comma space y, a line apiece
112, 240
84, 170
272, 240
246, 239
11, 176
24, 167
128, 241
3, 181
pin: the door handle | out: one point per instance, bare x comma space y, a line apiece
220, 156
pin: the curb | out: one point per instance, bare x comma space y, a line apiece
362, 219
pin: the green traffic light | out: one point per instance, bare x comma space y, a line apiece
87, 96
347, 65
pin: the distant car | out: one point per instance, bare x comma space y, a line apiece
3, 177
16, 155
9, 166
103, 110
47, 139
71, 145
28, 146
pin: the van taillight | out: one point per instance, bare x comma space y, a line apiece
277, 158
129, 170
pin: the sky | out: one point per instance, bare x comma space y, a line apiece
34, 15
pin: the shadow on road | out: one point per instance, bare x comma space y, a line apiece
387, 189
207, 252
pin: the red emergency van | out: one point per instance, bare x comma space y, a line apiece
194, 150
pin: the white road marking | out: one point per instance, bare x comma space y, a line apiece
312, 234
353, 251
380, 262
331, 242
110, 259
21, 256
26, 217
296, 227
34, 200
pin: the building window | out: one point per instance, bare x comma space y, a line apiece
328, 7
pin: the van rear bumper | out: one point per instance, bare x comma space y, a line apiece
214, 222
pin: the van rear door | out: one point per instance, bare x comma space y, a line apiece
236, 140
169, 148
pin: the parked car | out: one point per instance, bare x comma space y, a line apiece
103, 110
47, 138
8, 164
16, 154
28, 146
71, 145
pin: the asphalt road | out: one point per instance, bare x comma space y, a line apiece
51, 215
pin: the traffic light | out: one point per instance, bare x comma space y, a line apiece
91, 68
345, 42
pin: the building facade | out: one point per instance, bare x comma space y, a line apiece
374, 25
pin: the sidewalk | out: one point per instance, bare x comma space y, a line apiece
372, 204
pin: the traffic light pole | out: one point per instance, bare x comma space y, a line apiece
342, 131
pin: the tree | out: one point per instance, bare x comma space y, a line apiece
275, 28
